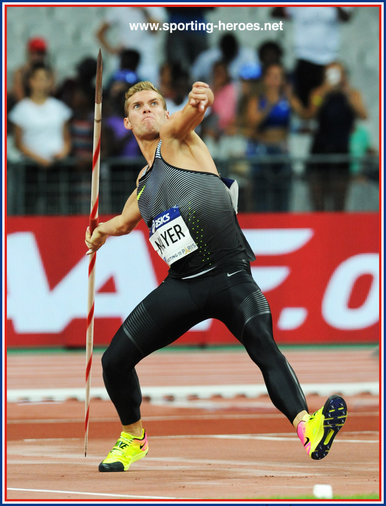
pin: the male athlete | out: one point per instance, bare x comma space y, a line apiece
192, 223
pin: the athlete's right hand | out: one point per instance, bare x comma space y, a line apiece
201, 96
95, 240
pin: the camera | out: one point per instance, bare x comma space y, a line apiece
333, 76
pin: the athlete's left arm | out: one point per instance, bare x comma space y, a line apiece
121, 224
182, 123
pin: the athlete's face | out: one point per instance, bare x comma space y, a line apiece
145, 114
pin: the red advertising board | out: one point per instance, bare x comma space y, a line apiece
319, 272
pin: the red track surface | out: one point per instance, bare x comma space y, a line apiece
204, 449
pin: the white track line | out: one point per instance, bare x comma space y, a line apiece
167, 418
165, 394
88, 493
258, 437
195, 436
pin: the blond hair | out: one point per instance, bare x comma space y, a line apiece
141, 86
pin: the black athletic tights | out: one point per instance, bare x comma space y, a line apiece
231, 296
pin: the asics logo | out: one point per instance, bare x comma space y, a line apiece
233, 273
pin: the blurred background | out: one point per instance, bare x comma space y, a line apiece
296, 117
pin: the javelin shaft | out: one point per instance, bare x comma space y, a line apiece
93, 221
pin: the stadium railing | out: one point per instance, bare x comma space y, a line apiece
264, 181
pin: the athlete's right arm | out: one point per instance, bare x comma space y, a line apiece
119, 225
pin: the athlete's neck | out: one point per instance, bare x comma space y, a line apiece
148, 147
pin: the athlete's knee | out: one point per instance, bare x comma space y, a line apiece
111, 364
120, 356
108, 361
259, 341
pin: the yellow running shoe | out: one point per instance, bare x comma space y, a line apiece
126, 450
317, 431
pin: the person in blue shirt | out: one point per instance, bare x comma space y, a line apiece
269, 116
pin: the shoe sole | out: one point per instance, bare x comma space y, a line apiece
335, 414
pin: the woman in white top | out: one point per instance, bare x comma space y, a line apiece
41, 129
41, 133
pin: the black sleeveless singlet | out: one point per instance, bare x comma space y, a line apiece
203, 202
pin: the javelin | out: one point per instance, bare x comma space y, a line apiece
93, 221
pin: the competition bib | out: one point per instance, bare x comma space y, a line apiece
170, 236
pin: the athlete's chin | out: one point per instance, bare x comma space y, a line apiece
149, 134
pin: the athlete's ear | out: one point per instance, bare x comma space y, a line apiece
167, 114
127, 124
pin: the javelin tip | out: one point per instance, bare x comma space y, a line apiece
98, 79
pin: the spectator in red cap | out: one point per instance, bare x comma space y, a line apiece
37, 45
37, 52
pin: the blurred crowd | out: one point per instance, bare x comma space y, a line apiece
258, 103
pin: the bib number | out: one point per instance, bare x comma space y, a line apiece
170, 236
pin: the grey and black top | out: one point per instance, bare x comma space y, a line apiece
205, 205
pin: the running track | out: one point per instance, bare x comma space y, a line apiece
204, 444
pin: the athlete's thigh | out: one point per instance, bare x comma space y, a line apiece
239, 300
163, 316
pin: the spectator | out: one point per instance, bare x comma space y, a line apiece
118, 142
165, 79
249, 79
78, 93
185, 45
223, 110
232, 145
225, 100
129, 60
41, 130
335, 105
41, 121
37, 52
178, 92
316, 43
83, 81
269, 52
228, 51
269, 115
143, 41
359, 147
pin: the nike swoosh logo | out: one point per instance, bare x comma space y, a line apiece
141, 446
307, 441
140, 193
233, 273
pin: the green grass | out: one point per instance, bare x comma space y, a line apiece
335, 497
209, 348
